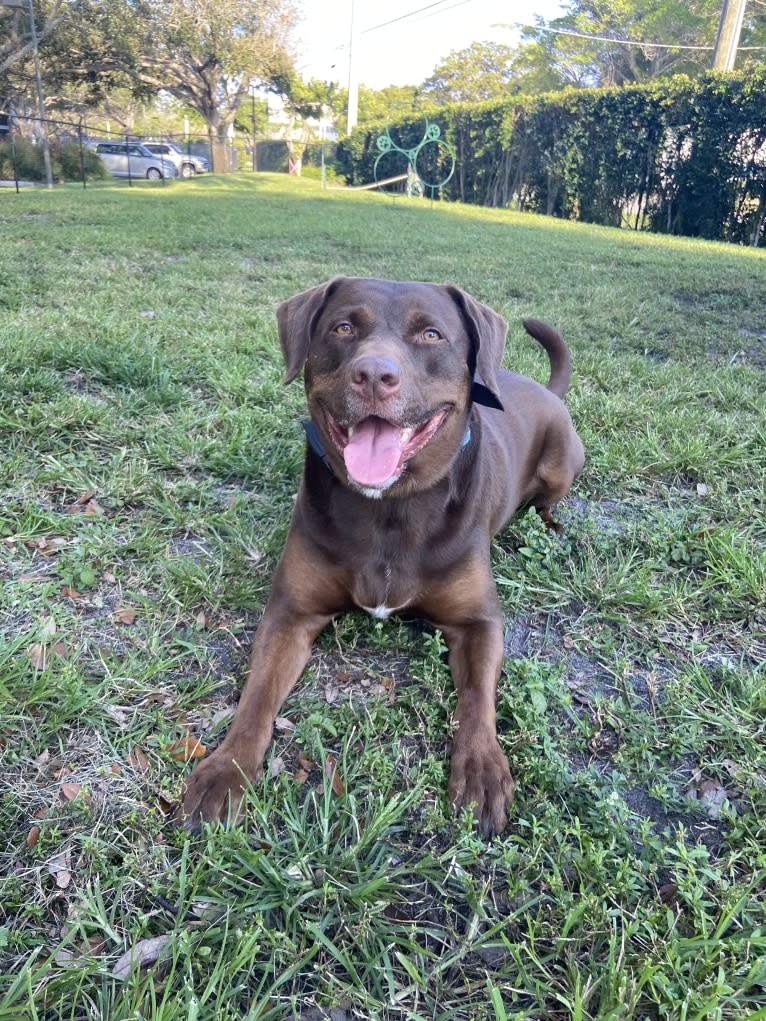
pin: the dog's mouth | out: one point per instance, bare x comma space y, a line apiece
375, 451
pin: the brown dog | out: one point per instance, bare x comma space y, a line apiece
405, 482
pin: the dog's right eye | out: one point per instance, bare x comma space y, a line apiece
344, 329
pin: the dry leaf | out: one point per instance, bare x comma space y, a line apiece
125, 615
38, 655
116, 769
69, 791
186, 748
284, 725
712, 797
333, 774
145, 952
109, 578
85, 498
68, 592
58, 867
277, 766
33, 836
300, 776
306, 763
138, 760
59, 649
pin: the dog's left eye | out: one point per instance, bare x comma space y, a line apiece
344, 329
431, 334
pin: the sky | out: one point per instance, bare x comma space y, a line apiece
393, 45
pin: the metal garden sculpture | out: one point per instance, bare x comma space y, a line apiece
416, 184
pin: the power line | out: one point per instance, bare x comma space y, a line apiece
411, 14
629, 42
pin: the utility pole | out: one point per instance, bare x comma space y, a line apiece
353, 81
729, 30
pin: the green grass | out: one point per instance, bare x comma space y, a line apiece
150, 457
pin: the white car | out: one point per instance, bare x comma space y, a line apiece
188, 164
131, 159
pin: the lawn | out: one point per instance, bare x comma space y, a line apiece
150, 456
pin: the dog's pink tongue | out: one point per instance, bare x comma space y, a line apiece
372, 453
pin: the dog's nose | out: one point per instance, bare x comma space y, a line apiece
375, 377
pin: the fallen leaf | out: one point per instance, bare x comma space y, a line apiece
58, 867
38, 655
668, 893
331, 694
333, 774
202, 620
33, 836
306, 763
300, 776
125, 615
59, 649
138, 760
109, 578
116, 769
712, 797
186, 748
68, 592
70, 791
277, 766
86, 497
284, 725
702, 489
145, 952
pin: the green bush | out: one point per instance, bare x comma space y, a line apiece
66, 162
680, 156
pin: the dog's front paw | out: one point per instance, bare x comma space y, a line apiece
481, 779
213, 793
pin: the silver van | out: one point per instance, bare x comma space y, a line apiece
131, 159
188, 164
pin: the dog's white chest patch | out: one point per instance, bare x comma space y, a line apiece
381, 612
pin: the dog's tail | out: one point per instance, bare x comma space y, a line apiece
558, 352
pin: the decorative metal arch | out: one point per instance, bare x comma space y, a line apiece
431, 136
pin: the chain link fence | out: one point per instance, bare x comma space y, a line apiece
54, 151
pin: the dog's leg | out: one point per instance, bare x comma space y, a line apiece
280, 651
480, 777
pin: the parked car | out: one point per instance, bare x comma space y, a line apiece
188, 164
131, 159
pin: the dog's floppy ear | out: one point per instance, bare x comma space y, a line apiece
296, 319
487, 330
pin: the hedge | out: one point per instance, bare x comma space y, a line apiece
679, 156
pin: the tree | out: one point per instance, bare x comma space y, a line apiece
381, 105
482, 71
204, 53
15, 37
207, 53
588, 45
304, 102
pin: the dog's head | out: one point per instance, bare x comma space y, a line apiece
389, 372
